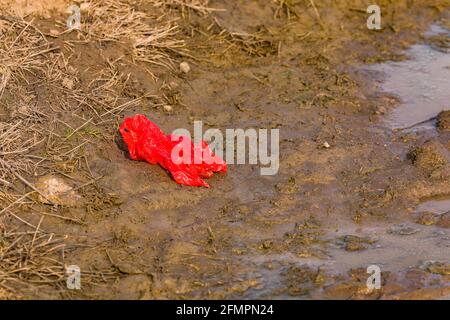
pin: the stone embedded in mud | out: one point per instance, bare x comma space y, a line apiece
427, 218
443, 121
55, 190
185, 67
402, 230
355, 243
355, 246
168, 108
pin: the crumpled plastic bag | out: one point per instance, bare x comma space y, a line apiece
147, 142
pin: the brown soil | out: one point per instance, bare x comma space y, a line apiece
308, 232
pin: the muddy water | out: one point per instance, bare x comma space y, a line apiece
421, 82
396, 248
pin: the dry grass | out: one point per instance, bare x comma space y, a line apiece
27, 256
21, 50
19, 53
38, 136
31, 257
185, 6
154, 38
113, 20
156, 46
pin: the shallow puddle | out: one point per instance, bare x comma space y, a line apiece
422, 83
392, 250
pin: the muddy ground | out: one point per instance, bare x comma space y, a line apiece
350, 192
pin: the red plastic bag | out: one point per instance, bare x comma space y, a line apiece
147, 142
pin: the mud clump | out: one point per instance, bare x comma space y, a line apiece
427, 219
290, 187
430, 157
443, 121
355, 243
300, 280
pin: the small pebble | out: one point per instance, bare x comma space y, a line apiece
167, 108
326, 145
184, 67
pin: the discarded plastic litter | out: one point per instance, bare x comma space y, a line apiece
146, 141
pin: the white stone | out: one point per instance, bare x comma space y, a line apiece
55, 190
184, 67
168, 108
